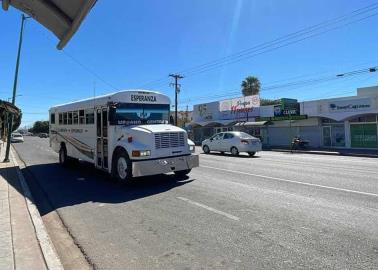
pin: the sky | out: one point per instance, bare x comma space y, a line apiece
138, 43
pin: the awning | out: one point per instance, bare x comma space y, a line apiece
62, 17
213, 123
253, 124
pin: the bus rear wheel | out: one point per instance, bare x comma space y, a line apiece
122, 167
63, 158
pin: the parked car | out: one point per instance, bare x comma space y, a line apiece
43, 135
17, 137
233, 142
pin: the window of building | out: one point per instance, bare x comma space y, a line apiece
52, 118
75, 117
69, 122
81, 117
65, 118
89, 116
365, 119
61, 119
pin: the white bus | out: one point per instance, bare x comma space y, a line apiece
126, 134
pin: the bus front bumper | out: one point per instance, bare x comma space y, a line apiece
164, 165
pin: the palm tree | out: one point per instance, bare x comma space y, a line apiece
250, 86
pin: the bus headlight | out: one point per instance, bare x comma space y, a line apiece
141, 153
192, 148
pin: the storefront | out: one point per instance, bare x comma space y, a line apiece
218, 116
345, 122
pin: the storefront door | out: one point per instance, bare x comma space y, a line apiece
327, 141
364, 135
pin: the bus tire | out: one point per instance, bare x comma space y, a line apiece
183, 173
121, 167
63, 158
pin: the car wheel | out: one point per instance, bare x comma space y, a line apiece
234, 151
206, 149
182, 173
251, 154
122, 167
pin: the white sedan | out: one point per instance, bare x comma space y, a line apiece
232, 141
17, 137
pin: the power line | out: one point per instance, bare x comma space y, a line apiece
291, 35
266, 50
297, 84
283, 41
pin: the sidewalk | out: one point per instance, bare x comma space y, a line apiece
334, 152
24, 243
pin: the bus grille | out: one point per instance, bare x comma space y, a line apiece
169, 140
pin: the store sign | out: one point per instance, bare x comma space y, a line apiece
240, 105
350, 105
203, 112
287, 107
282, 117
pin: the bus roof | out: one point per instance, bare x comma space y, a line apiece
127, 96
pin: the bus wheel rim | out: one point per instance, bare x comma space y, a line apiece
122, 168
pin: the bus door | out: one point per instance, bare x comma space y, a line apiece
102, 138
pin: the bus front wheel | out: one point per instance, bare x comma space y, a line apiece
122, 167
183, 173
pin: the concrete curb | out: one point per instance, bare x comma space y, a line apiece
324, 153
51, 258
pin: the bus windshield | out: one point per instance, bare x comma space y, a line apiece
139, 114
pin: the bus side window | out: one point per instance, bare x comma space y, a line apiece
69, 122
65, 118
81, 117
60, 119
52, 118
75, 118
89, 116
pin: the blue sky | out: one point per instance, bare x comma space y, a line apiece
130, 43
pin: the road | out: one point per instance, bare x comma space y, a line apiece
273, 211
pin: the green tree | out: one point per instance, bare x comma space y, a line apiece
40, 127
250, 86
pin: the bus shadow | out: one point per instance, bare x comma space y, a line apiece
55, 187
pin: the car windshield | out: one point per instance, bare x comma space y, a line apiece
136, 114
17, 135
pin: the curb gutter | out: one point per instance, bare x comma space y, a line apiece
325, 153
51, 258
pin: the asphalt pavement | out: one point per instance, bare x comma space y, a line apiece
272, 211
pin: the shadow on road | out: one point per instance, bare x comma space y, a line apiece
55, 187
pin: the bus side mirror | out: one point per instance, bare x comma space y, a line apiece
171, 120
112, 115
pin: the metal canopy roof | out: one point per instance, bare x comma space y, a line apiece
62, 17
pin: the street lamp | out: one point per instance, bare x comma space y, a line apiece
10, 122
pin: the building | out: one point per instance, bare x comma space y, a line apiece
344, 122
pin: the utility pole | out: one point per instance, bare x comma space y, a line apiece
177, 90
10, 122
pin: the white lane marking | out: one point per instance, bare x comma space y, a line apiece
209, 208
289, 163
294, 182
